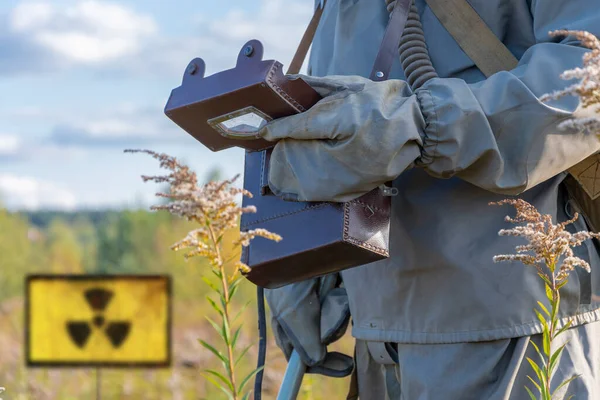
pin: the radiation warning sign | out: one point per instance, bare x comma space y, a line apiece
98, 320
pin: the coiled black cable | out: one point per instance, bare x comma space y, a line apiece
414, 55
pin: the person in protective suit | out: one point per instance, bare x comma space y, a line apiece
438, 319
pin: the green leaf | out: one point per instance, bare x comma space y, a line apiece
549, 293
538, 387
555, 305
546, 343
554, 359
236, 335
235, 285
221, 378
217, 273
541, 319
530, 394
232, 291
564, 328
537, 349
214, 351
543, 307
215, 306
565, 383
241, 311
211, 285
563, 283
537, 370
211, 380
242, 354
226, 331
217, 328
246, 396
248, 377
545, 279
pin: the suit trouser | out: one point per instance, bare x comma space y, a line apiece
494, 370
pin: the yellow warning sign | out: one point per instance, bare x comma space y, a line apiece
98, 320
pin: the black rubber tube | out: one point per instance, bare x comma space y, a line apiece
262, 344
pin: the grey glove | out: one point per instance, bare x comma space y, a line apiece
308, 316
359, 136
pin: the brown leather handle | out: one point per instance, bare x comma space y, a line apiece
306, 41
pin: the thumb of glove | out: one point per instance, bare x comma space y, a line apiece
335, 315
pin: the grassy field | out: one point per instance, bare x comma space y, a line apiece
127, 242
182, 381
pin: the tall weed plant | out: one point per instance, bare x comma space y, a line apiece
215, 210
549, 246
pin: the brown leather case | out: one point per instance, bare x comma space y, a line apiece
318, 237
201, 103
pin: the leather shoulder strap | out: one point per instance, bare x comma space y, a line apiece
387, 51
306, 41
473, 35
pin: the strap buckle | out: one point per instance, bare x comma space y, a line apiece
388, 191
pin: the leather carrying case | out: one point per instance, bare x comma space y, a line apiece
318, 237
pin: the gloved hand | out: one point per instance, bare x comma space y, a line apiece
359, 136
308, 316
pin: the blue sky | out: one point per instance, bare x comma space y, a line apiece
81, 80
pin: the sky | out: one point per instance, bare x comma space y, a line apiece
82, 80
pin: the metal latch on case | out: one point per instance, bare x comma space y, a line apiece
388, 190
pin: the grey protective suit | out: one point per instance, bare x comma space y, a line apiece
455, 145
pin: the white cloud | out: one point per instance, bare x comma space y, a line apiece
87, 32
22, 192
14, 149
9, 145
278, 24
119, 126
43, 35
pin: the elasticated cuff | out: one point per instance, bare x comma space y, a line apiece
430, 133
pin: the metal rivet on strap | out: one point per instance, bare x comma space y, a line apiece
379, 74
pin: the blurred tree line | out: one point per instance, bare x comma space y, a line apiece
125, 242
96, 242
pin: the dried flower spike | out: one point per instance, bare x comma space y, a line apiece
587, 89
214, 208
549, 250
548, 244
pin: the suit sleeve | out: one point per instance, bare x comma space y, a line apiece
497, 134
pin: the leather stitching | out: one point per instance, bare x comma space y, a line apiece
307, 208
280, 91
356, 241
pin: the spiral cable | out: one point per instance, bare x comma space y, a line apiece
414, 55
